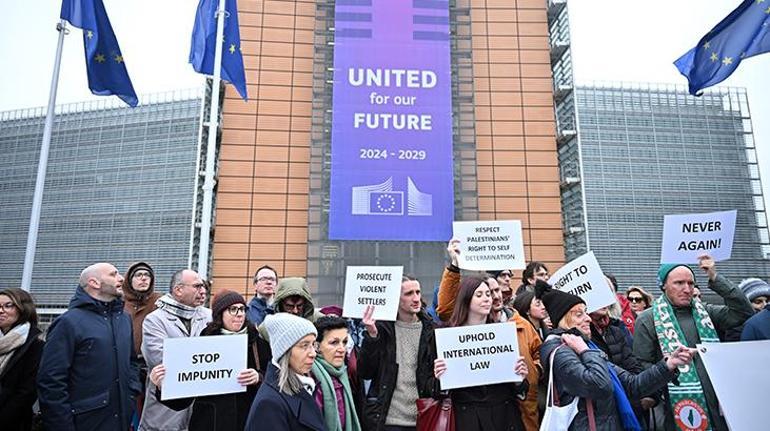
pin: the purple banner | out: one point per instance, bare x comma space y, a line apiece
392, 168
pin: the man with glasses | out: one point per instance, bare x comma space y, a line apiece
265, 280
180, 313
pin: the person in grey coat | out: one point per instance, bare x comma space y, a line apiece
677, 282
180, 313
581, 369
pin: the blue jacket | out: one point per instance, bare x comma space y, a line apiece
87, 378
276, 411
757, 327
257, 310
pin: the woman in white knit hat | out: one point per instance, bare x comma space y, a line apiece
285, 399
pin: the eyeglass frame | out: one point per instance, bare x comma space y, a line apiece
238, 310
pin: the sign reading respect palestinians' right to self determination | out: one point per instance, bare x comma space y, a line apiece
377, 286
478, 354
490, 245
197, 366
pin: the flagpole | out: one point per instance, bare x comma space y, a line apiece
37, 199
208, 183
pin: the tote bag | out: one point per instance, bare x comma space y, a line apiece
557, 418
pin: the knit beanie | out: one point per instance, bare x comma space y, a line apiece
223, 300
754, 288
285, 330
666, 268
556, 302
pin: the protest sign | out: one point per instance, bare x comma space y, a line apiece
478, 354
379, 286
687, 236
583, 277
490, 245
200, 366
738, 372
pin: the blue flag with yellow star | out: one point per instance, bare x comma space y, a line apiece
107, 74
744, 33
203, 44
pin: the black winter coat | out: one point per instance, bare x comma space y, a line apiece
613, 342
88, 376
17, 383
377, 362
588, 376
226, 411
488, 407
276, 411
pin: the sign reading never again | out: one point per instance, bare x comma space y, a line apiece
392, 161
687, 236
378, 286
478, 354
198, 366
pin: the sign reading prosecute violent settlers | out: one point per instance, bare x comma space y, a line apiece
201, 366
379, 286
583, 277
490, 245
478, 354
687, 236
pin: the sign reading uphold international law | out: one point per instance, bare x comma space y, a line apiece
478, 354
490, 245
583, 277
379, 286
392, 161
200, 366
687, 236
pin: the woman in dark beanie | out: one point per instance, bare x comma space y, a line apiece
581, 370
225, 411
486, 407
21, 347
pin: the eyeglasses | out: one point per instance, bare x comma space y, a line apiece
305, 346
142, 274
235, 310
635, 299
7, 307
298, 306
505, 274
198, 286
263, 279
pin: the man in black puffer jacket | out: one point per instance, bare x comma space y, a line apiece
611, 335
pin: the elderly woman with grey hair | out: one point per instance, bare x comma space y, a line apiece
285, 399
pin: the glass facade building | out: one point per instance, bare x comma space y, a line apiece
119, 188
650, 150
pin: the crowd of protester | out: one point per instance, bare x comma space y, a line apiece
627, 366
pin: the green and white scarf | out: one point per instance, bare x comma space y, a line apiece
687, 400
323, 372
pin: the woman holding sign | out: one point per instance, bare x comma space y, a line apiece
487, 407
224, 411
582, 374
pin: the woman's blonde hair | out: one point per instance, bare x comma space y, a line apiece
288, 382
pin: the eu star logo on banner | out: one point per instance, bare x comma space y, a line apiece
107, 74
204, 43
743, 34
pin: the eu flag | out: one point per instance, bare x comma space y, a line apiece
107, 72
203, 44
744, 33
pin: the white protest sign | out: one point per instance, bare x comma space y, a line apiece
583, 277
687, 236
200, 366
739, 374
478, 354
490, 245
379, 286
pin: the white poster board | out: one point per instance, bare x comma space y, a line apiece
739, 374
379, 286
687, 236
478, 354
197, 366
490, 245
583, 277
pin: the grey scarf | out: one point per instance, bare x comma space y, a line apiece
171, 305
11, 341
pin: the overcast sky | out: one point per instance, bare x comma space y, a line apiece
618, 40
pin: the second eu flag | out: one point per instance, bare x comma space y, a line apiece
742, 34
204, 43
107, 74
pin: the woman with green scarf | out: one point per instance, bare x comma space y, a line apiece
333, 393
